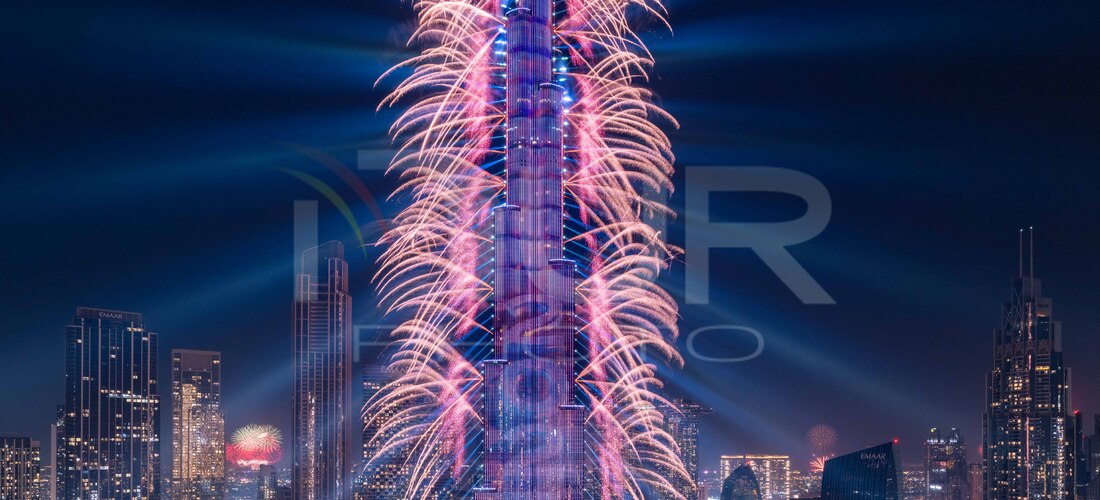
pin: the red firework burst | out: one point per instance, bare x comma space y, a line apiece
255, 445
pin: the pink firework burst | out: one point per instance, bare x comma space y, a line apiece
255, 445
817, 465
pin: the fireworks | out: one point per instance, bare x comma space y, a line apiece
817, 465
255, 445
821, 439
435, 271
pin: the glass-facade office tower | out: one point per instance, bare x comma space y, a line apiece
946, 470
533, 422
682, 422
383, 477
870, 474
773, 472
322, 376
20, 469
198, 426
112, 407
1028, 446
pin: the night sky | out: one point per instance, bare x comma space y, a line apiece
150, 152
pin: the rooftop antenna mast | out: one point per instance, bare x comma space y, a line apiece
1031, 255
1021, 271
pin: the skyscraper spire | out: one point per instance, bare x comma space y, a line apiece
1028, 419
1021, 272
1031, 252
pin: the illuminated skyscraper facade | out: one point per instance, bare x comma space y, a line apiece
322, 377
1028, 448
682, 420
112, 407
773, 472
945, 468
21, 469
977, 482
533, 422
198, 426
382, 475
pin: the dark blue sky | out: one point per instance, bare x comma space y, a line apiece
143, 144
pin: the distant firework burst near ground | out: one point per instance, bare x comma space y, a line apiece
255, 445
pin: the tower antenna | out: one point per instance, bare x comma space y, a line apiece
1031, 253
1021, 271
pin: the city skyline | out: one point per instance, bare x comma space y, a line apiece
157, 188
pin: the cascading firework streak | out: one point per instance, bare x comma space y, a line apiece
524, 267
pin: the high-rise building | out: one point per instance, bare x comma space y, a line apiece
977, 485
198, 426
741, 485
869, 474
710, 483
1090, 449
267, 483
805, 485
946, 471
112, 407
20, 469
322, 376
772, 471
914, 480
381, 475
682, 421
56, 488
1029, 444
1080, 456
268, 486
533, 420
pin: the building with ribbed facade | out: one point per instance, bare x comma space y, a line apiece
741, 484
322, 425
111, 441
869, 474
381, 476
20, 469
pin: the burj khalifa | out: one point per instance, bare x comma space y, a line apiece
534, 446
